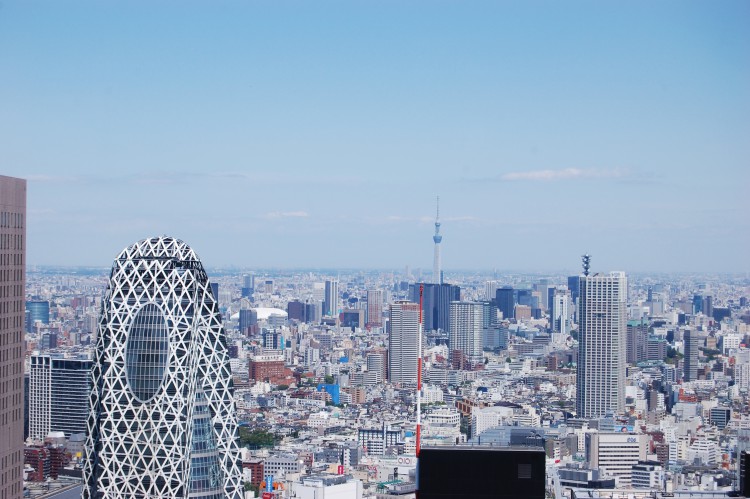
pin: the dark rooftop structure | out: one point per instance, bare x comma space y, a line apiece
481, 472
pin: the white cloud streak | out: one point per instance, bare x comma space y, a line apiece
563, 174
273, 215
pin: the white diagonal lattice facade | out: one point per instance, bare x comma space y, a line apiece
162, 421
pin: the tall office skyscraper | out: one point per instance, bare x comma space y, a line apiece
691, 342
697, 304
377, 365
601, 344
560, 311
637, 337
403, 342
708, 307
374, 308
331, 301
490, 288
437, 300
574, 287
248, 285
58, 395
248, 318
543, 288
489, 314
162, 421
491, 334
467, 321
437, 273
12, 315
505, 298
37, 311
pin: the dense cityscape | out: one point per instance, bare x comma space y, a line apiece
316, 383
290, 249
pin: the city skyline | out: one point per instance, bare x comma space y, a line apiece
647, 389
320, 346
547, 130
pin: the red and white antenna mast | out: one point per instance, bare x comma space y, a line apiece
419, 372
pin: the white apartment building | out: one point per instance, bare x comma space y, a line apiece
466, 321
319, 420
648, 475
280, 465
431, 394
403, 342
488, 417
703, 452
602, 344
742, 370
615, 454
731, 342
561, 312
328, 487
447, 418
528, 417
40, 396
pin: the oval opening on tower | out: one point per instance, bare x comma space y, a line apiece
146, 352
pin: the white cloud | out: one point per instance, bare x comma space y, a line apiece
563, 174
285, 214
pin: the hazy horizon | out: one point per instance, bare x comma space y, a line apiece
425, 272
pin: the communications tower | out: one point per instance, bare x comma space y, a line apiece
437, 276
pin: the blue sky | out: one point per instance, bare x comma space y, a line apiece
317, 134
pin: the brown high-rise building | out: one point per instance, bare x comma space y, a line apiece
374, 308
296, 311
38, 458
12, 311
256, 470
266, 368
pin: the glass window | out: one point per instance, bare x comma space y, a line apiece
146, 352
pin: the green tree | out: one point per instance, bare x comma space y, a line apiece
710, 353
465, 426
329, 380
257, 438
673, 356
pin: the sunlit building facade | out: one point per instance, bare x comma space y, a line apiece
13, 285
602, 348
465, 333
403, 342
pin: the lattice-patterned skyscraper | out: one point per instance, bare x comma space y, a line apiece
162, 421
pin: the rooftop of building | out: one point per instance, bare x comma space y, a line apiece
484, 447
326, 479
